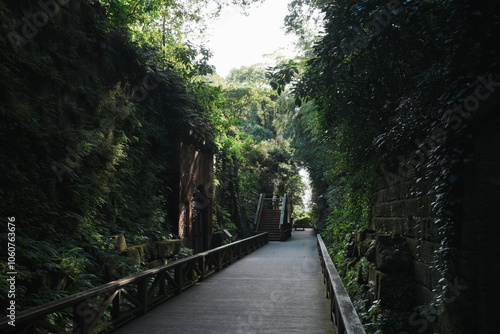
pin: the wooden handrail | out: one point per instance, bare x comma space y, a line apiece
106, 307
342, 311
258, 213
284, 214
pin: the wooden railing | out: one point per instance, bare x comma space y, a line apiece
284, 212
285, 226
109, 306
258, 213
342, 312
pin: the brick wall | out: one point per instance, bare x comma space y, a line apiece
405, 208
472, 303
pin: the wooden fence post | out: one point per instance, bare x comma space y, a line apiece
82, 316
142, 293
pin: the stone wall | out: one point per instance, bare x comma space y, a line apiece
405, 208
147, 255
153, 254
405, 235
401, 250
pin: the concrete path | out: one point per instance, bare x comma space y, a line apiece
276, 289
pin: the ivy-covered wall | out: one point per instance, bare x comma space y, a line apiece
406, 245
420, 273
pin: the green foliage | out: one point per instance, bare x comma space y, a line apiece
351, 212
86, 135
282, 75
305, 20
183, 253
252, 156
248, 76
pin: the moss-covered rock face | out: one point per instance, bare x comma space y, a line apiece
168, 248
120, 242
152, 252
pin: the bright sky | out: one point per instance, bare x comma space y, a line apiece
237, 40
306, 180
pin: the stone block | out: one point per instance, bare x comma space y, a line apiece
422, 274
363, 234
155, 263
394, 291
397, 209
435, 277
368, 250
411, 206
120, 242
424, 203
113, 269
392, 255
423, 295
379, 196
380, 183
422, 250
381, 210
426, 251
151, 251
379, 281
413, 246
425, 275
397, 226
142, 253
379, 224
392, 194
168, 248
433, 231
408, 230
137, 253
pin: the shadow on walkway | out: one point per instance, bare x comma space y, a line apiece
276, 289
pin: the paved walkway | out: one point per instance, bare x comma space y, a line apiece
276, 289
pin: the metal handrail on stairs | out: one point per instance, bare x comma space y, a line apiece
279, 205
283, 212
258, 213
